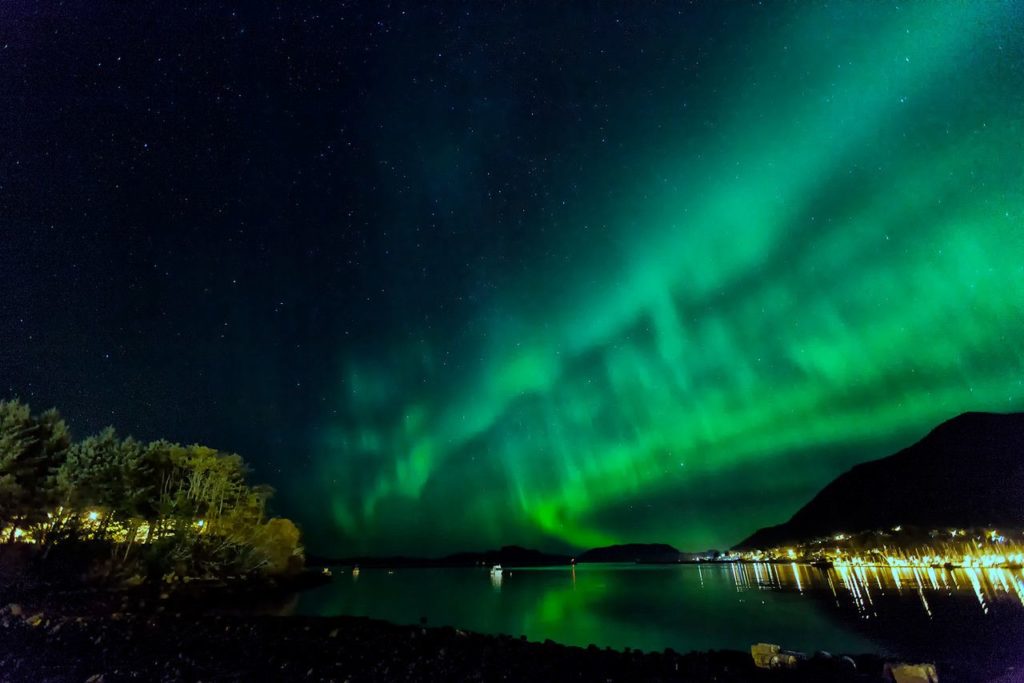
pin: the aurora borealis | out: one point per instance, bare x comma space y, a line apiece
555, 276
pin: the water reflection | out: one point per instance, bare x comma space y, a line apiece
856, 584
922, 613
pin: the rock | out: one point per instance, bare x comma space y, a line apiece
911, 673
35, 619
134, 580
762, 654
333, 633
15, 609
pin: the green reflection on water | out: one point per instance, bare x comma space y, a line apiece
921, 611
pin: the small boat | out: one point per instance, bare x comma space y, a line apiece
496, 569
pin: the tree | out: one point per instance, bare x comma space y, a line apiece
32, 447
90, 474
277, 542
202, 515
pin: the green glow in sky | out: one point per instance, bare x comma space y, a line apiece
808, 257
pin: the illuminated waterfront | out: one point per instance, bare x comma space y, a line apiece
904, 548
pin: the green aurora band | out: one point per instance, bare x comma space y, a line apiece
820, 261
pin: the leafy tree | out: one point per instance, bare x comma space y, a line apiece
277, 542
32, 448
202, 515
90, 475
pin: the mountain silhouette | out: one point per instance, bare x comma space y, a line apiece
631, 552
967, 472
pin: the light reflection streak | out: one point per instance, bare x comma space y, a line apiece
853, 584
1018, 587
924, 601
896, 580
972, 574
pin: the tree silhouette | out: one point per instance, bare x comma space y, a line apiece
194, 502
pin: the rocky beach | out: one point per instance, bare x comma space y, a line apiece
134, 636
178, 646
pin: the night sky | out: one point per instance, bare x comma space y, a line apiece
555, 274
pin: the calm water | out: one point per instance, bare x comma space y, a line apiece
971, 615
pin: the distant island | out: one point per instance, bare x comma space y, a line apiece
632, 552
517, 556
507, 556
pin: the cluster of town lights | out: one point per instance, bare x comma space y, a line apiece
978, 549
980, 561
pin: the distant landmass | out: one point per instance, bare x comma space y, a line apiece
507, 556
516, 556
510, 556
967, 472
631, 552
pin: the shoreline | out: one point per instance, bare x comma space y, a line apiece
177, 635
183, 645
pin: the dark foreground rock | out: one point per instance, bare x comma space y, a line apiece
125, 637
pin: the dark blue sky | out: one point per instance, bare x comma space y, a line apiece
461, 274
